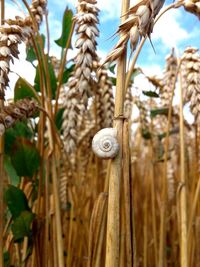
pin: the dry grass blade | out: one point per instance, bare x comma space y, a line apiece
97, 232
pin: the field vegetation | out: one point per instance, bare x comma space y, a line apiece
83, 180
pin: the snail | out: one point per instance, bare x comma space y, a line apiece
105, 144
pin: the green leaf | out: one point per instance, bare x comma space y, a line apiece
20, 129
159, 111
146, 134
30, 52
21, 226
10, 170
37, 80
150, 93
22, 89
112, 68
113, 80
15, 200
66, 74
6, 259
53, 80
25, 157
66, 28
58, 119
173, 131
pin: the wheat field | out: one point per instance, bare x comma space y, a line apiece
95, 172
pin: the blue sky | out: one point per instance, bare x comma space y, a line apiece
176, 28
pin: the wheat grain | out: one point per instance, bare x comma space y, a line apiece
81, 83
11, 34
38, 9
138, 24
192, 6
104, 99
191, 66
168, 79
20, 110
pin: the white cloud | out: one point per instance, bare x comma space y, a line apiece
169, 29
23, 68
141, 82
12, 10
109, 8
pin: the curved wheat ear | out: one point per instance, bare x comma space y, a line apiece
87, 131
192, 6
139, 23
168, 79
20, 110
81, 83
38, 9
191, 67
11, 34
64, 180
104, 99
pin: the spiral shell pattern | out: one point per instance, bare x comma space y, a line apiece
105, 144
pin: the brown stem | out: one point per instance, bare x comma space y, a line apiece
113, 222
162, 236
182, 193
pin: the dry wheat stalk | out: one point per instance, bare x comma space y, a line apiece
81, 83
138, 24
191, 67
11, 34
20, 110
168, 79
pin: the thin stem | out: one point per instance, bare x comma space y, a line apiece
182, 193
162, 236
127, 195
113, 222
48, 32
64, 59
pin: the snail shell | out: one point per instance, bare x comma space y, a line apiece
105, 144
